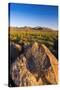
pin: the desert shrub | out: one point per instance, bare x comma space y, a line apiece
48, 38
17, 38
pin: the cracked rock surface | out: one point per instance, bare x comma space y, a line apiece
31, 66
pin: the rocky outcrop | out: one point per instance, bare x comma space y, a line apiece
15, 50
53, 61
32, 67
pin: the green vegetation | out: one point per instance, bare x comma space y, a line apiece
28, 36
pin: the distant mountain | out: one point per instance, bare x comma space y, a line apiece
33, 28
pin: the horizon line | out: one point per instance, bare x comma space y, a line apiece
33, 27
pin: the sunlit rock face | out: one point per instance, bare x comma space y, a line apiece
37, 59
32, 67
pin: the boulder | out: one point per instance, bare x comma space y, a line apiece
15, 50
32, 66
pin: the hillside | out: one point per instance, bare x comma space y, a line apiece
28, 35
33, 56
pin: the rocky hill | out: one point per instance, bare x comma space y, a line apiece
32, 65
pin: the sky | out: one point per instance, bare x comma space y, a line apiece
21, 15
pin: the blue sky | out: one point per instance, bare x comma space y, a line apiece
33, 15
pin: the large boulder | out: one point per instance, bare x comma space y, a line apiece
32, 66
37, 59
